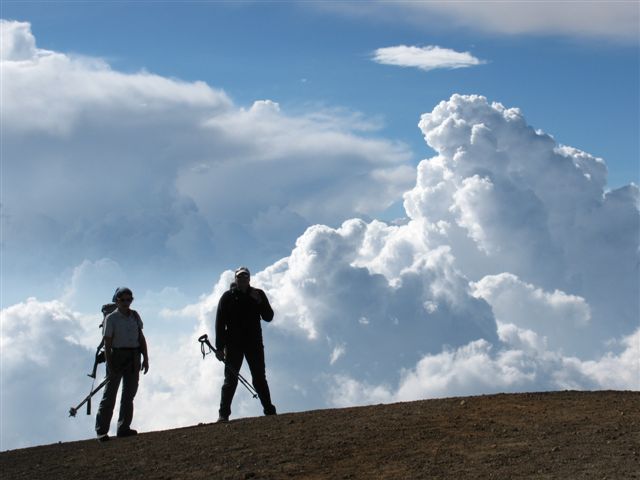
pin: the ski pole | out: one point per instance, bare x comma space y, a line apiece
204, 340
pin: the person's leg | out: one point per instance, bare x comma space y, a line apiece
234, 360
255, 359
130, 380
105, 410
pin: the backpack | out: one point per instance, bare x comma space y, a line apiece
100, 358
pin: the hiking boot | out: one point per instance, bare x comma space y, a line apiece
223, 419
127, 433
103, 438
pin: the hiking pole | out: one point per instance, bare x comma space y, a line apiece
93, 391
204, 340
87, 399
99, 358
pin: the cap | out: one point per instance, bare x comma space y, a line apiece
121, 291
241, 270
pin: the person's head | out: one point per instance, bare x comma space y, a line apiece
243, 277
123, 297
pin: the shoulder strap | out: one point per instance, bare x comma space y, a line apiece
137, 315
106, 310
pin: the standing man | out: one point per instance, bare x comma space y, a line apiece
123, 344
239, 335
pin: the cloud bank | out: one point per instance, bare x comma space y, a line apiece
425, 58
135, 165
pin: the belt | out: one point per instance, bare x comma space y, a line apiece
126, 348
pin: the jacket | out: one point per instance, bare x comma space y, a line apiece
238, 317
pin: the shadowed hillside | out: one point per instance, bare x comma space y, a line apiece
533, 435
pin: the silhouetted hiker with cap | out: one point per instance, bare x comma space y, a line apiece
239, 335
123, 344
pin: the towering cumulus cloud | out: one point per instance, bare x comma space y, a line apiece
516, 270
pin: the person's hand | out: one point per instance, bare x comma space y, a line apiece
255, 294
145, 365
220, 354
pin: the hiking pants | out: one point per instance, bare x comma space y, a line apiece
255, 358
126, 367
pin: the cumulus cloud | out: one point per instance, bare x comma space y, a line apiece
555, 316
136, 165
42, 347
482, 368
17, 42
490, 286
510, 199
425, 58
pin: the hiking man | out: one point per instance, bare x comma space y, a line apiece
123, 344
239, 335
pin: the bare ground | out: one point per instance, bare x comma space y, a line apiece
563, 435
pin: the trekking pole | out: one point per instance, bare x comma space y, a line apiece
87, 399
204, 340
99, 358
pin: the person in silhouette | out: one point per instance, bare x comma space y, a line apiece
239, 335
123, 344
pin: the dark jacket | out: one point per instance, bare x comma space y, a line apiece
238, 317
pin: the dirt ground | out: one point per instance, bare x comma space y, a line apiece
563, 435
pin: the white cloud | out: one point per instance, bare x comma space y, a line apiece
16, 41
557, 317
481, 368
425, 58
91, 283
616, 21
41, 377
135, 165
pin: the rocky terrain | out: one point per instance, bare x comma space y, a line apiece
563, 435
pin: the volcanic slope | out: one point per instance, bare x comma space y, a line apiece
564, 435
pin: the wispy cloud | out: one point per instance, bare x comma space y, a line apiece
576, 19
425, 58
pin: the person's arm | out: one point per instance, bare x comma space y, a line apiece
145, 354
107, 336
221, 332
266, 312
108, 343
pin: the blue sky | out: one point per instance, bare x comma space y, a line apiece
389, 208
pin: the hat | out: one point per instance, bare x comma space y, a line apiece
241, 270
121, 291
